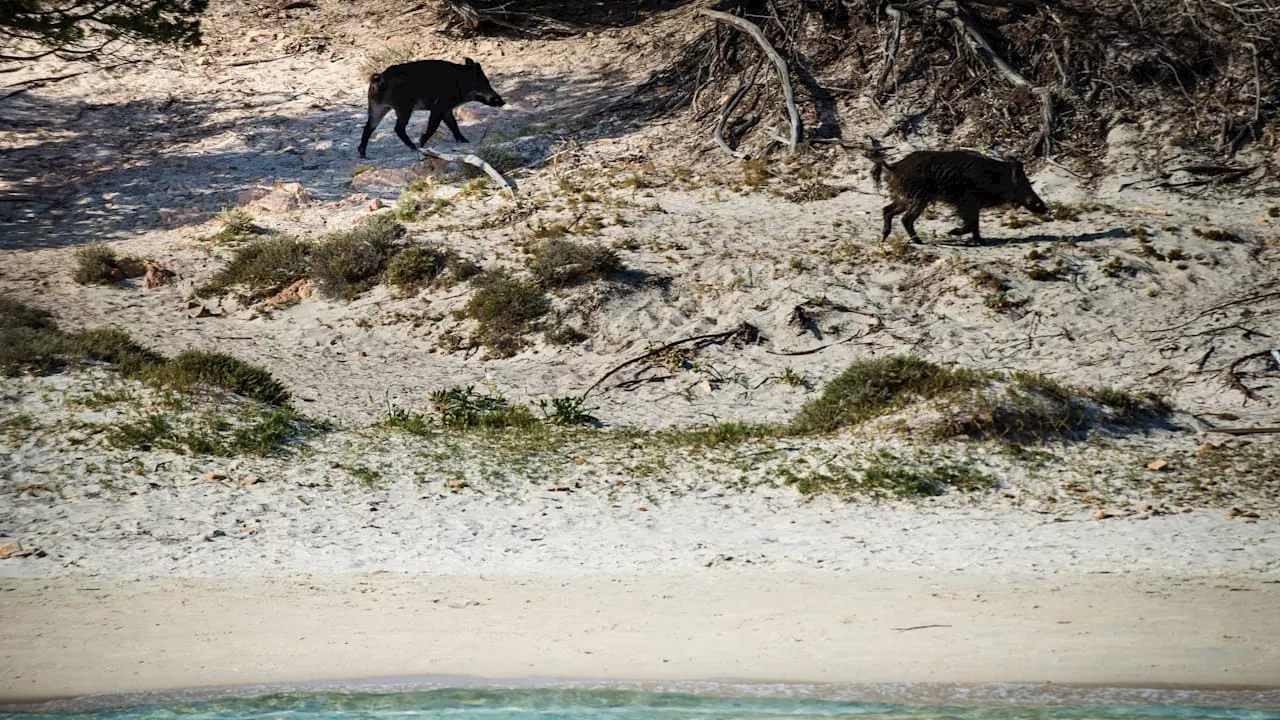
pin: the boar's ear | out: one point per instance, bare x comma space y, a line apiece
470, 62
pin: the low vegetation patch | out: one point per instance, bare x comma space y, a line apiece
464, 408
559, 263
31, 342
888, 476
98, 264
237, 225
507, 309
196, 368
346, 264
420, 266
876, 386
251, 429
949, 402
264, 266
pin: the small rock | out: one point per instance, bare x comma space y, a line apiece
286, 197
157, 275
456, 484
10, 548
1158, 465
579, 461
374, 204
213, 534
202, 311
299, 290
214, 477
1103, 514
251, 480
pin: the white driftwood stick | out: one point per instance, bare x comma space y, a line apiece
788, 94
475, 161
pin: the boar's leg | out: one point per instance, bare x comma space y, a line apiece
889, 211
968, 209
376, 113
909, 220
432, 125
453, 126
402, 122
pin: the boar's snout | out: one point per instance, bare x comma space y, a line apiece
1036, 205
494, 100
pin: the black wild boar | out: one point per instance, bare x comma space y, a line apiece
433, 85
965, 180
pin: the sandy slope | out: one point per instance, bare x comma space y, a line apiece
702, 565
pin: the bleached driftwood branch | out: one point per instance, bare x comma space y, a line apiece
475, 161
788, 94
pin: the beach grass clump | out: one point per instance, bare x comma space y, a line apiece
507, 308
346, 264
383, 57
464, 408
252, 429
1130, 408
876, 386
420, 266
721, 434
98, 264
264, 266
886, 475
30, 342
567, 410
560, 263
502, 158
219, 371
95, 264
237, 225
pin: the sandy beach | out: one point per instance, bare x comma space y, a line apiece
1142, 554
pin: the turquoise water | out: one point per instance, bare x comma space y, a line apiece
613, 704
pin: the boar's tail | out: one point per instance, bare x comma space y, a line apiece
876, 156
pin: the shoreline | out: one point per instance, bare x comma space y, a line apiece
75, 636
917, 694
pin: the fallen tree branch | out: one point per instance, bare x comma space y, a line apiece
475, 161
1233, 374
748, 332
257, 61
728, 110
1245, 430
788, 94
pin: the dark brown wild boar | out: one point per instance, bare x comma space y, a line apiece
433, 85
965, 180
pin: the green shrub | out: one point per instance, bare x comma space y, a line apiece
237, 225
463, 407
223, 372
348, 263
420, 265
569, 410
559, 263
875, 386
265, 266
507, 309
97, 264
31, 342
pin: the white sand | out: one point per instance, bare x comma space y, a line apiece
657, 563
